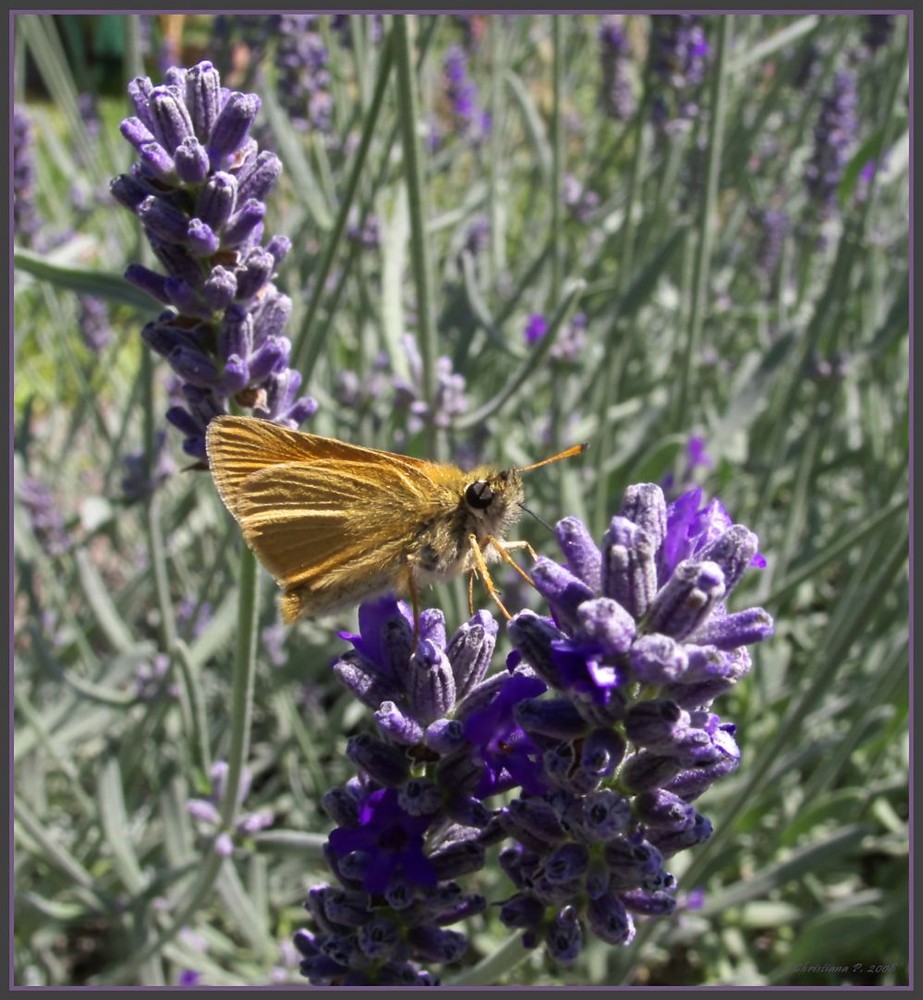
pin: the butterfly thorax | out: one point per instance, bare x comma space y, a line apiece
483, 503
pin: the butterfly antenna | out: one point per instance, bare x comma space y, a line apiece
540, 520
576, 449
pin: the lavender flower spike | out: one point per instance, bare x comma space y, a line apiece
198, 189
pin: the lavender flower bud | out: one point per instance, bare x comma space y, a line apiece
383, 763
629, 574
686, 599
582, 553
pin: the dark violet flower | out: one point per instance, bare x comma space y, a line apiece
536, 328
834, 134
341, 24
616, 95
368, 235
26, 221
696, 457
680, 58
199, 188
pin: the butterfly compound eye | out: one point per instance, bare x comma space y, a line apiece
479, 494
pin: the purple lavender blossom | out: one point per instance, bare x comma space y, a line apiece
834, 134
601, 726
206, 811
471, 120
775, 228
450, 401
536, 328
616, 96
477, 235
680, 58
139, 484
44, 516
303, 76
580, 202
93, 322
150, 680
199, 190
26, 221
368, 235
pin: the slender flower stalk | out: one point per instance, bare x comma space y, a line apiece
199, 190
599, 732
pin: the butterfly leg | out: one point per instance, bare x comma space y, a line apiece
471, 576
503, 550
482, 571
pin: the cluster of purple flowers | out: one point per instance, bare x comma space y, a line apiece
570, 342
679, 58
471, 120
25, 215
616, 96
206, 811
199, 190
303, 77
580, 202
834, 134
775, 225
44, 516
599, 733
342, 26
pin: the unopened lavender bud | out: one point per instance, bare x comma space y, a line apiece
279, 247
136, 132
533, 637
148, 281
670, 842
341, 806
649, 904
191, 162
733, 551
523, 910
582, 553
609, 920
260, 180
257, 269
658, 659
659, 808
382, 762
171, 121
203, 97
379, 936
607, 623
457, 859
459, 772
270, 358
742, 628
631, 864
566, 863
157, 161
129, 192
690, 783
532, 820
444, 736
470, 650
602, 752
655, 723
646, 770
236, 376
419, 797
162, 220
219, 288
201, 239
645, 506
193, 366
233, 124
397, 726
564, 591
215, 202
436, 944
554, 717
564, 937
363, 681
343, 906
686, 600
629, 573
604, 814
429, 681
244, 224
